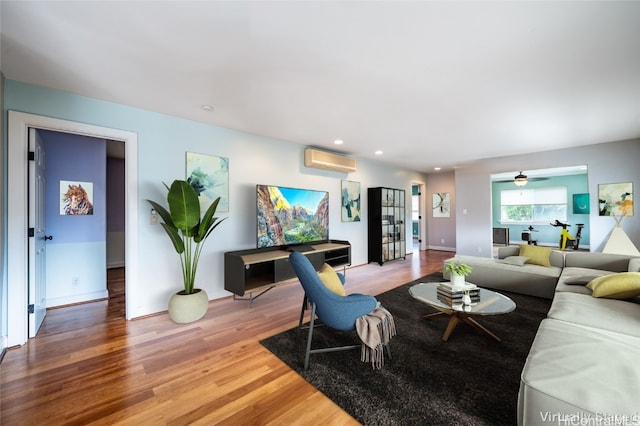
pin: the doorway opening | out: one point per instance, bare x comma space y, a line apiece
84, 218
17, 258
418, 230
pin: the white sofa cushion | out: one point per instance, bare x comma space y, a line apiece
574, 371
618, 316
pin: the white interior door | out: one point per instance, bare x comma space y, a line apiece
37, 234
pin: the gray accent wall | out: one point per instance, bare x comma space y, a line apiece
607, 162
441, 231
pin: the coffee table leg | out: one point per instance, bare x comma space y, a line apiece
453, 322
481, 328
434, 315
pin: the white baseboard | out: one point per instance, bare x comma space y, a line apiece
77, 298
441, 248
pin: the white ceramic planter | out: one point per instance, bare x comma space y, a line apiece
185, 308
457, 280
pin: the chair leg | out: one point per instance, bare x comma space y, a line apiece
309, 351
388, 348
304, 308
310, 335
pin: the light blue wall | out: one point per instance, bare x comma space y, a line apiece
546, 234
3, 225
162, 143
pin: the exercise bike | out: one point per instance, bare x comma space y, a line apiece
565, 235
528, 237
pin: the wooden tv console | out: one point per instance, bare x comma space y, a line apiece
260, 270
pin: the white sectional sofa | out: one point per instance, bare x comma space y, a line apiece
583, 367
584, 364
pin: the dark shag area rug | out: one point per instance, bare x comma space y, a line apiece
469, 380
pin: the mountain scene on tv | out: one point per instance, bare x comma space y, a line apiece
291, 216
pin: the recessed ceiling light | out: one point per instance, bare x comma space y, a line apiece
437, 168
207, 108
338, 142
378, 152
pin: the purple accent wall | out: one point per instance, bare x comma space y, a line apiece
75, 158
115, 195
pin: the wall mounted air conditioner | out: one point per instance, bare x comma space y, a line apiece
328, 161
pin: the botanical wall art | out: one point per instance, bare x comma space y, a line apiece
441, 204
615, 199
581, 204
209, 176
76, 198
350, 201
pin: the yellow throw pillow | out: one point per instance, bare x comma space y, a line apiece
537, 255
331, 280
623, 285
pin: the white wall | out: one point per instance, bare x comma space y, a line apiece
607, 162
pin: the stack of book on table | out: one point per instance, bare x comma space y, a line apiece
451, 295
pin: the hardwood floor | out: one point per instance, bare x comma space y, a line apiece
90, 366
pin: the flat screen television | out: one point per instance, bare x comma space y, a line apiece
291, 216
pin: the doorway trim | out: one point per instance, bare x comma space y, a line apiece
422, 222
17, 210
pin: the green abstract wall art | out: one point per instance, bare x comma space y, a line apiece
350, 200
209, 176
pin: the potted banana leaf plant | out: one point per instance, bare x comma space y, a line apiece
188, 231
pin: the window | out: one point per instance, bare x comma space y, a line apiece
535, 205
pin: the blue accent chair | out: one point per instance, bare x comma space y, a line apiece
337, 312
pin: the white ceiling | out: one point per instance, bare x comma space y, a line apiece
429, 83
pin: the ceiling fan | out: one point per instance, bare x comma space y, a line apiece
521, 179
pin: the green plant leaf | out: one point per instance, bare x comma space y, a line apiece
215, 225
184, 206
457, 268
207, 221
164, 214
175, 237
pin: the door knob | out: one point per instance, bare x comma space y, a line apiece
48, 237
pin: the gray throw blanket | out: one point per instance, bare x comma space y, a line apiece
375, 330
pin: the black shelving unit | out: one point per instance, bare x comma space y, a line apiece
387, 233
